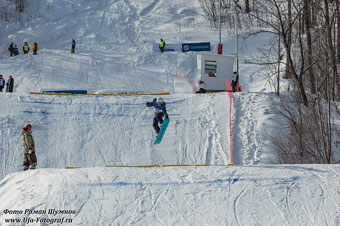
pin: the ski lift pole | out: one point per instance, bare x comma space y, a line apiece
219, 21
236, 33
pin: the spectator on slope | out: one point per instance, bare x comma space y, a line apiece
15, 50
10, 49
160, 111
201, 87
234, 81
10, 84
30, 159
2, 83
162, 45
73, 48
35, 48
25, 48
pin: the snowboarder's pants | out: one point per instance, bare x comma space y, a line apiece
35, 52
233, 86
162, 49
1, 87
30, 160
201, 91
158, 119
73, 50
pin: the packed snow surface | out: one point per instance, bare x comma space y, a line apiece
114, 54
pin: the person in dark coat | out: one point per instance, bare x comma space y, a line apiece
30, 159
201, 87
10, 84
234, 81
73, 49
2, 83
10, 49
160, 111
15, 50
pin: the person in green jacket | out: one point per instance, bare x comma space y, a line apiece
30, 159
26, 48
162, 45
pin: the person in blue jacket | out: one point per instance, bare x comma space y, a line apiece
160, 111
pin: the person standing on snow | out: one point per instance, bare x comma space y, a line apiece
10, 49
10, 84
201, 87
2, 83
15, 50
162, 45
26, 48
35, 48
160, 111
73, 49
30, 159
234, 81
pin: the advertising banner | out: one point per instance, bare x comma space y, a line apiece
201, 46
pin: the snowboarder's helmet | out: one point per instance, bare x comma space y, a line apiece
10, 76
200, 82
27, 127
160, 100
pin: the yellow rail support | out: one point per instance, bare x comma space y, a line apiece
152, 166
95, 94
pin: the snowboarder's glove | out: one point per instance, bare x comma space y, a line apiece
148, 104
167, 116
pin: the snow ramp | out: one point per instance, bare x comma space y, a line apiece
226, 195
89, 131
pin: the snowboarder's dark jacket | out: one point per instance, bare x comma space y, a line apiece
161, 108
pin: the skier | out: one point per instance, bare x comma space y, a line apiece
35, 48
15, 50
30, 159
10, 49
10, 84
160, 111
73, 49
26, 48
234, 81
162, 45
201, 87
2, 83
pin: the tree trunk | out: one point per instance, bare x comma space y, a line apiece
309, 46
331, 55
288, 73
338, 45
247, 6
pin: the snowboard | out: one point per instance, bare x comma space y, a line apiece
162, 131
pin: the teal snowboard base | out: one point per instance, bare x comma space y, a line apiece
162, 131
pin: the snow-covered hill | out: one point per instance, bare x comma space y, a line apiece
272, 195
114, 53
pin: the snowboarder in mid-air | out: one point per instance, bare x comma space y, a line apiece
160, 111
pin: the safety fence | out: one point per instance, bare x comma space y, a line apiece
230, 97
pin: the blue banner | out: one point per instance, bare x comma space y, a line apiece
201, 46
66, 91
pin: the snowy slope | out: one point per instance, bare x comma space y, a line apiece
228, 196
114, 53
98, 131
